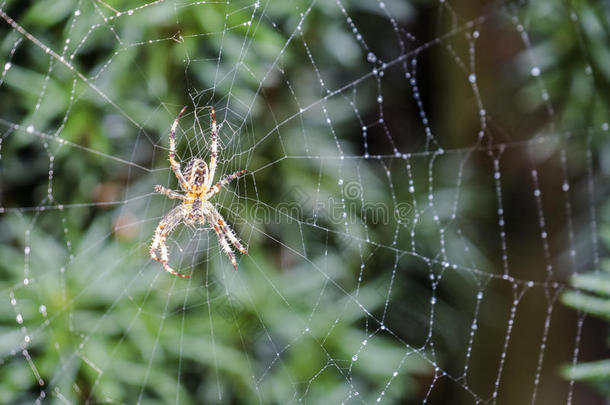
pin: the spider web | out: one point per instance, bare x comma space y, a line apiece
413, 205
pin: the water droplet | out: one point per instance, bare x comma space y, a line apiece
371, 57
354, 357
535, 71
588, 70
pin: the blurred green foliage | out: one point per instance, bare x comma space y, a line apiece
591, 296
103, 323
574, 42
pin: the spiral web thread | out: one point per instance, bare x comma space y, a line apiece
423, 207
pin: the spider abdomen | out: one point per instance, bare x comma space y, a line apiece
196, 172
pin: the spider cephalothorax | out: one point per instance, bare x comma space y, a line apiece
196, 183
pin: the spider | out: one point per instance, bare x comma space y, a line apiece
196, 183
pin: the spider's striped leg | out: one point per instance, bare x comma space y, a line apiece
214, 151
218, 186
170, 193
222, 239
219, 220
166, 225
172, 153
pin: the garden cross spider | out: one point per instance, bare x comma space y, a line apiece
196, 182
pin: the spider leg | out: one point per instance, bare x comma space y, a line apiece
172, 153
169, 193
165, 227
222, 240
214, 151
226, 180
227, 231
